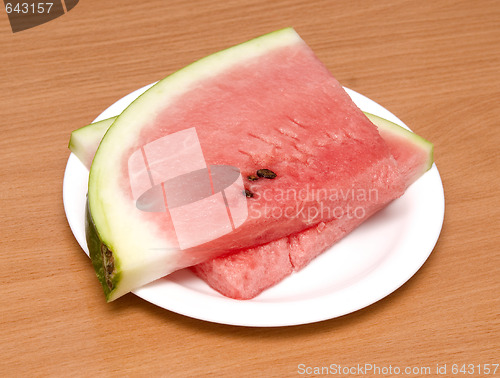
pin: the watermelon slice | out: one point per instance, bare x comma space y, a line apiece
245, 274
165, 186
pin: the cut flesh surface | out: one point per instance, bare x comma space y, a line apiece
268, 103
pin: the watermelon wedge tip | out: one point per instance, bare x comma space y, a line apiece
85, 140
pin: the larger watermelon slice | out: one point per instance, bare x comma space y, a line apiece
265, 104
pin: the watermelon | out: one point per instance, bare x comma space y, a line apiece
245, 274
198, 165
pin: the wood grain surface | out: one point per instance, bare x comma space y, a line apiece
435, 64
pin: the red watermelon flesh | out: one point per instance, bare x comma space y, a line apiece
288, 114
246, 274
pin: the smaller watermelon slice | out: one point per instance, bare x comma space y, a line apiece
405, 145
245, 274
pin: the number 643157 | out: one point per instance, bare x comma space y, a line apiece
28, 8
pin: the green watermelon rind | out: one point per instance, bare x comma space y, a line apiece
416, 139
95, 246
147, 265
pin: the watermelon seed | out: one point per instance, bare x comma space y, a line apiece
252, 177
266, 173
248, 193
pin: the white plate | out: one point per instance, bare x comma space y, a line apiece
364, 267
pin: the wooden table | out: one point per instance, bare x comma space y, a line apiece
435, 64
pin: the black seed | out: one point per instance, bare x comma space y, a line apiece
248, 193
266, 173
252, 177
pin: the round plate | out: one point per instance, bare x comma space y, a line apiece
364, 267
